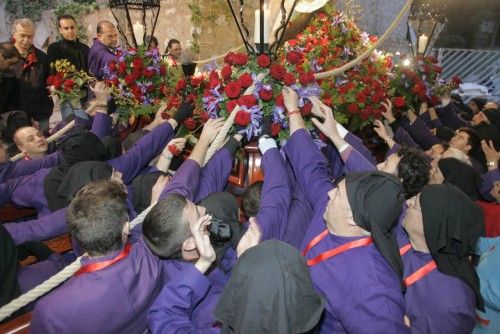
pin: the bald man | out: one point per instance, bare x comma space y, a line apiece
102, 51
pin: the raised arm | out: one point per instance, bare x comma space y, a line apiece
25, 167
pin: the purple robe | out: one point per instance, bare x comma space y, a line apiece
449, 116
115, 299
362, 291
402, 137
13, 169
357, 144
488, 179
420, 133
99, 57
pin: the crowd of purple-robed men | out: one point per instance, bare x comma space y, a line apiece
332, 243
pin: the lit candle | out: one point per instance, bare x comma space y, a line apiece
256, 35
138, 32
422, 43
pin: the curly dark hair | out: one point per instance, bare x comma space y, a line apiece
413, 170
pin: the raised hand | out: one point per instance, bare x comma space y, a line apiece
101, 92
211, 129
250, 238
202, 240
387, 114
491, 154
329, 124
290, 98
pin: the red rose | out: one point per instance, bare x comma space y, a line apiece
240, 58
226, 72
129, 79
67, 89
163, 69
353, 108
228, 59
456, 80
214, 83
247, 101
364, 115
174, 150
147, 73
112, 66
294, 57
266, 95
292, 42
49, 81
289, 79
280, 102
196, 81
245, 80
190, 123
399, 102
181, 84
277, 71
242, 118
233, 89
122, 67
306, 78
231, 104
204, 116
136, 73
275, 129
150, 88
263, 61
361, 98
435, 100
306, 109
138, 63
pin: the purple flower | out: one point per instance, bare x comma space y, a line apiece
253, 129
305, 92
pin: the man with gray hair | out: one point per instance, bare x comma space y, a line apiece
31, 73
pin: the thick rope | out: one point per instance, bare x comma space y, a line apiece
209, 60
368, 52
55, 280
221, 136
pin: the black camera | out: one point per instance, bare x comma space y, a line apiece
219, 231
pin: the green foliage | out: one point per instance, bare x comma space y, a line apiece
196, 20
77, 10
31, 9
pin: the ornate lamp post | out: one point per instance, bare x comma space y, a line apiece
425, 23
135, 19
261, 41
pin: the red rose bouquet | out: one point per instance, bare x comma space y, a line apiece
67, 83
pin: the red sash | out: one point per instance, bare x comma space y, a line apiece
420, 273
104, 264
334, 251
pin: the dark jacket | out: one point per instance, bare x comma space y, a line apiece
8, 91
74, 51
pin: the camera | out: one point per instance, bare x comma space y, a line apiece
219, 231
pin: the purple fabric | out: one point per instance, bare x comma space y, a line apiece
99, 57
101, 126
213, 177
336, 163
402, 137
358, 145
449, 116
489, 179
44, 228
13, 169
29, 192
357, 162
115, 299
184, 182
365, 294
420, 133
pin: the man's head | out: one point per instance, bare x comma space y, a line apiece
8, 55
30, 141
437, 150
67, 27
413, 170
251, 199
23, 31
107, 34
174, 48
489, 116
166, 227
97, 217
466, 140
476, 104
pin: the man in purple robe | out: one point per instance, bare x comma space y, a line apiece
102, 51
362, 285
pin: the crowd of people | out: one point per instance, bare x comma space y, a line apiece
329, 242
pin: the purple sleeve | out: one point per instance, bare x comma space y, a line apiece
357, 162
7, 189
101, 126
171, 311
275, 198
185, 181
403, 138
420, 132
392, 150
358, 145
309, 167
336, 163
214, 175
25, 167
47, 227
450, 118
489, 179
141, 154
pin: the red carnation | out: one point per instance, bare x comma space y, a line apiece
214, 83
353, 108
266, 95
231, 104
306, 78
294, 57
306, 109
196, 81
147, 73
49, 81
435, 100
245, 80
456, 80
112, 66
240, 58
163, 69
226, 72
67, 89
247, 101
275, 129
242, 118
174, 150
150, 88
263, 61
138, 63
205, 116
361, 98
122, 67
277, 71
280, 102
181, 84
289, 79
137, 73
399, 102
233, 89
129, 79
190, 123
228, 59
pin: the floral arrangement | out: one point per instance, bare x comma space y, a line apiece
139, 81
411, 85
331, 40
67, 82
445, 88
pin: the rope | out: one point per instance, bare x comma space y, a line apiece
55, 280
209, 60
221, 136
364, 55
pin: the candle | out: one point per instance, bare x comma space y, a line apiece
138, 32
422, 43
256, 35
